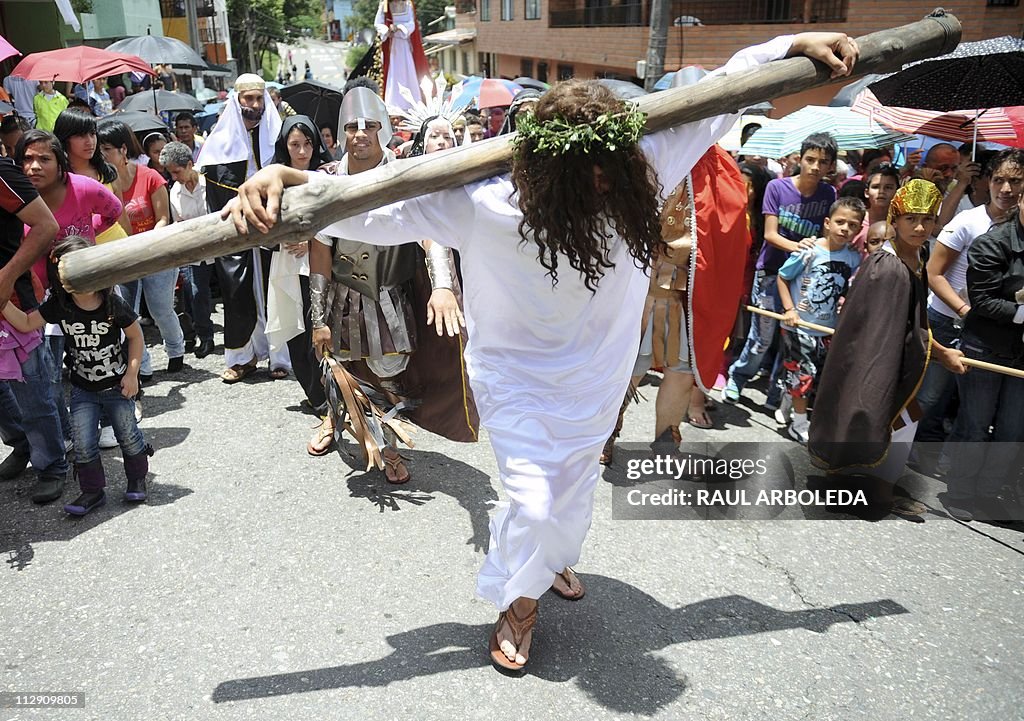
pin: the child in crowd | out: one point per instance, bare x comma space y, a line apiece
878, 233
810, 284
104, 377
795, 209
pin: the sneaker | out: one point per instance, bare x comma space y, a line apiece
175, 365
800, 435
135, 492
782, 413
48, 488
731, 392
107, 438
85, 503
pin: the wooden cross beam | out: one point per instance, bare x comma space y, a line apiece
308, 208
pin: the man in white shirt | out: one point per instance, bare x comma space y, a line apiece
188, 200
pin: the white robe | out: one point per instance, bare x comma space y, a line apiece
401, 66
548, 366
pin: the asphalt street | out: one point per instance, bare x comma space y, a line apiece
261, 583
326, 60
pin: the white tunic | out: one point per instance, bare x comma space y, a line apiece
401, 66
548, 365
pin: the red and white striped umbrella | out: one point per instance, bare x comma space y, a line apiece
994, 125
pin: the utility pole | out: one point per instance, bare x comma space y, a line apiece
191, 17
657, 44
250, 52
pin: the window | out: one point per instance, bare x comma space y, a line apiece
532, 11
526, 67
465, 63
506, 9
542, 72
1003, 3
485, 9
564, 72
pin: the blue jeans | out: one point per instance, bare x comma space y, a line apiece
987, 399
764, 294
197, 298
159, 290
28, 415
56, 348
86, 407
939, 384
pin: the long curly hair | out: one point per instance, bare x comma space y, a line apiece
564, 213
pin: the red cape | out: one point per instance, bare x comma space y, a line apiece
419, 58
722, 246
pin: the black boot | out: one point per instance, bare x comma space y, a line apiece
92, 480
47, 489
14, 465
205, 348
135, 469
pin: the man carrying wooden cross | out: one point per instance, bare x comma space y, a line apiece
554, 258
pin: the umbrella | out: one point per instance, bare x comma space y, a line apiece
681, 78
156, 49
985, 74
532, 83
205, 94
849, 92
320, 101
7, 50
139, 122
993, 125
78, 64
623, 89
851, 130
731, 140
487, 93
160, 101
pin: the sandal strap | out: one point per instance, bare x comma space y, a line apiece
519, 626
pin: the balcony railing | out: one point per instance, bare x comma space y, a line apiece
703, 12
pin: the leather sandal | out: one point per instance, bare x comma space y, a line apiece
238, 372
519, 628
314, 446
567, 575
393, 465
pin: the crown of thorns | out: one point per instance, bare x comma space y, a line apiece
557, 136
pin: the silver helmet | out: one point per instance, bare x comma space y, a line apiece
362, 104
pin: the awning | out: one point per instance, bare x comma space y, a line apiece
455, 36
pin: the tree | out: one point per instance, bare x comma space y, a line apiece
267, 22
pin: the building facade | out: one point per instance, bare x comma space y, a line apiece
557, 39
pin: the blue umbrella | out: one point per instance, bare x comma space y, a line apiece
851, 130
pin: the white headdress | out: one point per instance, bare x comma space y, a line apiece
437, 106
229, 139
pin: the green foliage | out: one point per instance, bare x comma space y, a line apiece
81, 6
363, 12
558, 137
354, 55
266, 22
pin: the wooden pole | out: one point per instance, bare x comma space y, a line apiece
970, 362
308, 208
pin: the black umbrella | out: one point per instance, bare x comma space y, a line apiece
532, 83
139, 122
157, 49
320, 101
984, 74
849, 92
160, 101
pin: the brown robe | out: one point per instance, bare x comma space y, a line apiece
875, 365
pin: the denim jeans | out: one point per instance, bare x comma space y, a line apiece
986, 399
86, 407
159, 290
196, 292
765, 295
55, 344
28, 415
939, 385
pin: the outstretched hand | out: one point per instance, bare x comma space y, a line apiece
266, 185
837, 50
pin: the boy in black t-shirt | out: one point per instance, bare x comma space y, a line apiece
104, 377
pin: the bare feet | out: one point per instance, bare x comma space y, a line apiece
514, 632
568, 585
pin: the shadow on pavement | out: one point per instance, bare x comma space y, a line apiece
432, 473
586, 642
22, 523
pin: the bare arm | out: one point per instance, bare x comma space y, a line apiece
43, 229
942, 259
788, 307
20, 321
161, 206
130, 382
774, 239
